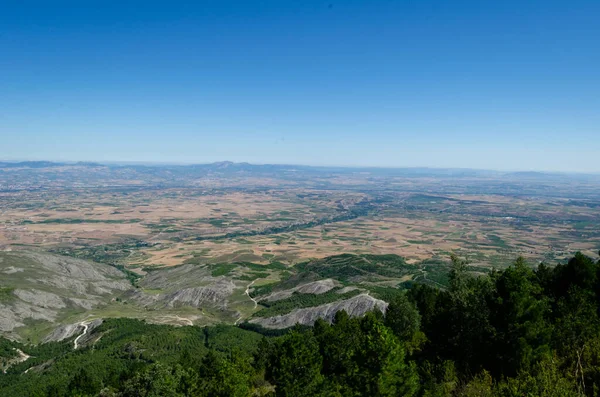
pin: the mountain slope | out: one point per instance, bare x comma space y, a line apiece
48, 288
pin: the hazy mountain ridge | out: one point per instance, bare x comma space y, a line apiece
233, 167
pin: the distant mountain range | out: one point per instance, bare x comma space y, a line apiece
44, 164
238, 167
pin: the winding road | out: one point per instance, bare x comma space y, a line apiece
85, 329
22, 357
247, 292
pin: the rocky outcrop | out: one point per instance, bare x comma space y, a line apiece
68, 331
212, 291
39, 298
355, 306
186, 285
63, 332
215, 294
47, 286
177, 278
72, 268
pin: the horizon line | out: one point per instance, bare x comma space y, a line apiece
184, 164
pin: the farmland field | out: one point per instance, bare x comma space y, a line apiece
145, 217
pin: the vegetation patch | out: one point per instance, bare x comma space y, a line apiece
348, 266
262, 290
386, 294
6, 294
107, 253
298, 301
222, 269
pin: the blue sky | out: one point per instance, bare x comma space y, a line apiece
481, 84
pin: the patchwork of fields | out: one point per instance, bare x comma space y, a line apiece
265, 246
167, 227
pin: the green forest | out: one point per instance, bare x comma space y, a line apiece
520, 331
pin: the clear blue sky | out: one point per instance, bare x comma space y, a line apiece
511, 84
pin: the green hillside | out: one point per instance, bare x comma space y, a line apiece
515, 332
